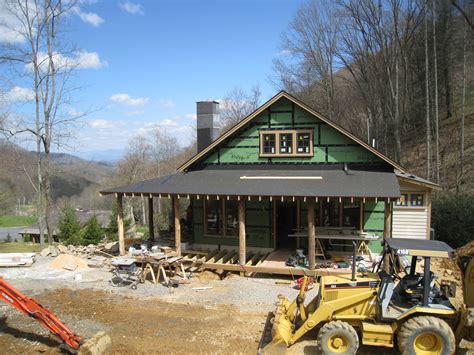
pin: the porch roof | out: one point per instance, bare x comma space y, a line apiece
284, 181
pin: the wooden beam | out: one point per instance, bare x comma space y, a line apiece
311, 236
120, 226
428, 211
270, 269
361, 216
387, 232
151, 226
274, 223
242, 246
298, 221
177, 226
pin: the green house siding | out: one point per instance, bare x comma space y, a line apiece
258, 226
329, 145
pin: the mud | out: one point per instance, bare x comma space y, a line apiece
146, 326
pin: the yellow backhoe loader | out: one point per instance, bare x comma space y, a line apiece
408, 309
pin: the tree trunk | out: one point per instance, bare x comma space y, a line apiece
427, 98
436, 108
463, 104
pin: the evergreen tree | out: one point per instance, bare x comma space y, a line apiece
69, 228
93, 232
112, 228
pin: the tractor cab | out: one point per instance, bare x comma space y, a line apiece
402, 287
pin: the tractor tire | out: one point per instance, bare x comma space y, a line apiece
426, 335
338, 338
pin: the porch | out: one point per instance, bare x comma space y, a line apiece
313, 193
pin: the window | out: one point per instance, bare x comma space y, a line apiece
286, 143
213, 217
351, 214
268, 144
303, 142
280, 143
331, 214
416, 200
231, 218
403, 200
221, 218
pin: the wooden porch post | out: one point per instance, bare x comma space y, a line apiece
387, 231
242, 246
151, 227
311, 236
177, 225
120, 227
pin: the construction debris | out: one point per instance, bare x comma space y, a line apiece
16, 259
69, 262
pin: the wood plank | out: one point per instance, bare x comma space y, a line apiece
151, 226
218, 256
212, 254
242, 238
311, 236
271, 270
120, 226
177, 226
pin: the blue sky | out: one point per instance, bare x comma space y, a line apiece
150, 61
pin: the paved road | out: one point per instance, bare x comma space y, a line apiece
13, 231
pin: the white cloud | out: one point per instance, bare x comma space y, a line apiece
166, 103
79, 60
88, 17
132, 8
135, 113
128, 100
101, 124
18, 94
191, 116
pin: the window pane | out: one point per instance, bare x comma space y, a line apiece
303, 143
330, 214
269, 143
417, 199
232, 218
214, 217
403, 200
286, 143
351, 214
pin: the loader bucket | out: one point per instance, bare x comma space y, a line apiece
278, 330
96, 345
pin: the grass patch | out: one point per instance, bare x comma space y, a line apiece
16, 221
19, 247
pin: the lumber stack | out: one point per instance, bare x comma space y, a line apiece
16, 259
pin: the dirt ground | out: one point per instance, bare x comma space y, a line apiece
224, 316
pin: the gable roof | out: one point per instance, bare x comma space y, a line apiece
266, 105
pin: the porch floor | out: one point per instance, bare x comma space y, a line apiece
268, 263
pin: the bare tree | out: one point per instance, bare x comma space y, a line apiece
427, 96
436, 100
48, 64
311, 42
238, 104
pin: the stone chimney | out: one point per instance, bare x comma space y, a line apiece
207, 118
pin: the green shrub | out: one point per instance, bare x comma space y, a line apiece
112, 228
69, 228
93, 232
453, 218
26, 238
8, 239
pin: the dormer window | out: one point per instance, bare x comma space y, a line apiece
282, 143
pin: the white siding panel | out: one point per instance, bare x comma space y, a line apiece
409, 223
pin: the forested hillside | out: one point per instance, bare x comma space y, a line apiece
396, 73
71, 177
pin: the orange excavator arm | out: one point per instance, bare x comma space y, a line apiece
32, 308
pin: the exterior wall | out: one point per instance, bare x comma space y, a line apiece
258, 226
330, 146
412, 221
